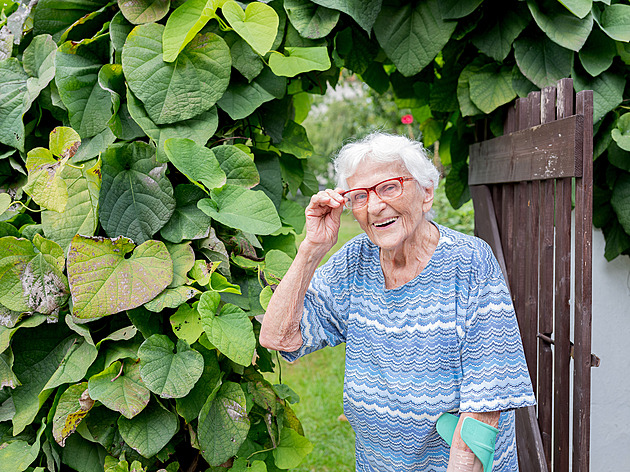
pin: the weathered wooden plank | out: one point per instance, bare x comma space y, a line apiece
486, 223
507, 207
530, 451
546, 151
562, 292
521, 234
545, 300
532, 248
583, 292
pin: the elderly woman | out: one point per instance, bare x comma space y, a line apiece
424, 311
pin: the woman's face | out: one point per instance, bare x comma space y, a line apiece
391, 224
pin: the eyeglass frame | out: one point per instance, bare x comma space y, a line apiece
373, 189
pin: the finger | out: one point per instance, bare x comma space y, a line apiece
325, 199
336, 195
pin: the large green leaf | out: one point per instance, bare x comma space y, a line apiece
621, 133
295, 141
364, 12
45, 357
187, 221
311, 20
248, 210
621, 200
81, 213
13, 89
144, 11
241, 100
542, 61
16, 456
199, 128
292, 449
206, 387
15, 254
615, 21
412, 35
292, 213
182, 89
607, 91
258, 24
598, 53
277, 264
81, 454
45, 287
149, 431
223, 424
230, 330
466, 106
55, 16
77, 66
94, 146
183, 258
136, 196
39, 63
104, 281
171, 298
196, 162
111, 78
491, 87
184, 23
244, 58
167, 373
454, 9
74, 404
239, 168
561, 26
297, 60
495, 35
120, 388
358, 52
186, 324
119, 29
579, 8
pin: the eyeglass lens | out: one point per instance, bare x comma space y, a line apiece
385, 190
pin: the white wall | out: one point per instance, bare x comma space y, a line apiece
610, 414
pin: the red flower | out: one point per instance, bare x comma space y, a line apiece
407, 119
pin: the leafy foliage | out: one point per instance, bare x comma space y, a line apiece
149, 155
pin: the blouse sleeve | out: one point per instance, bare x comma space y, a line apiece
495, 375
324, 320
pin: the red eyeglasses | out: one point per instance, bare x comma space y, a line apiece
386, 190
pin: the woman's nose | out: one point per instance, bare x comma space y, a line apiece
375, 204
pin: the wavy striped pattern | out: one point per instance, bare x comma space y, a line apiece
446, 341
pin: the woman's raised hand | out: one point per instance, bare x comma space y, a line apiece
323, 218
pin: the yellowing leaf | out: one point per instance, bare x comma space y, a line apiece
45, 184
103, 281
74, 405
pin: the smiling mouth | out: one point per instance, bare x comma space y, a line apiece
385, 223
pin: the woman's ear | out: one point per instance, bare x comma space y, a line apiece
427, 199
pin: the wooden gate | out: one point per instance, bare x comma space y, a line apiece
521, 184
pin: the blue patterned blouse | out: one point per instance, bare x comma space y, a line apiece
445, 341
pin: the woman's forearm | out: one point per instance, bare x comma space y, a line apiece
281, 324
461, 458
